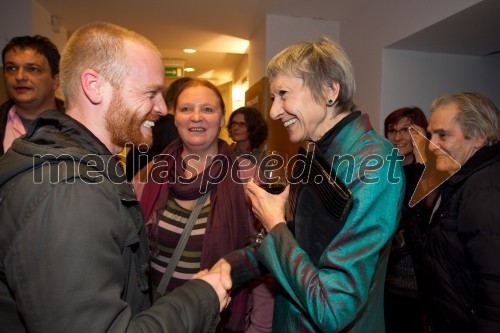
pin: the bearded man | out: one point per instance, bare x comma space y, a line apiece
73, 247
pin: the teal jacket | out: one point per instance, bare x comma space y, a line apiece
344, 291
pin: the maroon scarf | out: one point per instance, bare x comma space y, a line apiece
228, 222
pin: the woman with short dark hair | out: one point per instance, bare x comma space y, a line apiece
248, 129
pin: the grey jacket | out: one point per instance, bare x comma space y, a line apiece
73, 246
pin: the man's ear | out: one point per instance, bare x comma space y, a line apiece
57, 82
479, 141
92, 85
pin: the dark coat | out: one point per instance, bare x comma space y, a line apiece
73, 246
461, 265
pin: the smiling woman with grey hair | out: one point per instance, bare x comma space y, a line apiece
330, 262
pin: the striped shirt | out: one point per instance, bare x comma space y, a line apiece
170, 228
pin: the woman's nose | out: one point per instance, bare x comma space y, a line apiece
196, 115
276, 110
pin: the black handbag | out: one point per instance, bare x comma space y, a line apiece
318, 203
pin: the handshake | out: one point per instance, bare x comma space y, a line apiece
219, 277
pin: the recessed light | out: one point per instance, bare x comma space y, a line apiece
189, 50
188, 69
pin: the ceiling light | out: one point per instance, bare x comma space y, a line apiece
188, 69
189, 50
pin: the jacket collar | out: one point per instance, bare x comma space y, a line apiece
349, 135
481, 159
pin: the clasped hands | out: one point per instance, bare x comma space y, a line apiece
219, 277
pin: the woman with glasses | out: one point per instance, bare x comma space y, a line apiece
396, 127
248, 129
403, 306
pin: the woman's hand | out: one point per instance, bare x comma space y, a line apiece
268, 208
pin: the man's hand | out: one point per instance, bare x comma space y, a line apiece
219, 277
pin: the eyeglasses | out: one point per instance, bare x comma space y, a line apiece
405, 131
240, 124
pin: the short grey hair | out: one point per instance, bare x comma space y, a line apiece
477, 114
317, 63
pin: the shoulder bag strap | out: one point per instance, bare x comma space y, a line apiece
162, 287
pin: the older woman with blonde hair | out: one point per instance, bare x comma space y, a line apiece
329, 253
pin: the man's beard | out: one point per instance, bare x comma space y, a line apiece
124, 124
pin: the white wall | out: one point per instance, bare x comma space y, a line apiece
27, 17
42, 26
277, 33
257, 55
416, 78
240, 72
281, 31
15, 20
490, 66
366, 33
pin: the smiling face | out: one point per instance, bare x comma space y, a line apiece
138, 103
239, 128
199, 119
448, 136
400, 137
29, 80
294, 105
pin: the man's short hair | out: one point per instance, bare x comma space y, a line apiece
99, 46
477, 115
42, 45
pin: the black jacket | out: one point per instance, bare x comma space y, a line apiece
4, 112
461, 252
73, 247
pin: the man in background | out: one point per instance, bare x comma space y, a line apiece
31, 73
73, 244
461, 269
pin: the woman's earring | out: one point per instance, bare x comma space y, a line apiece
330, 102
